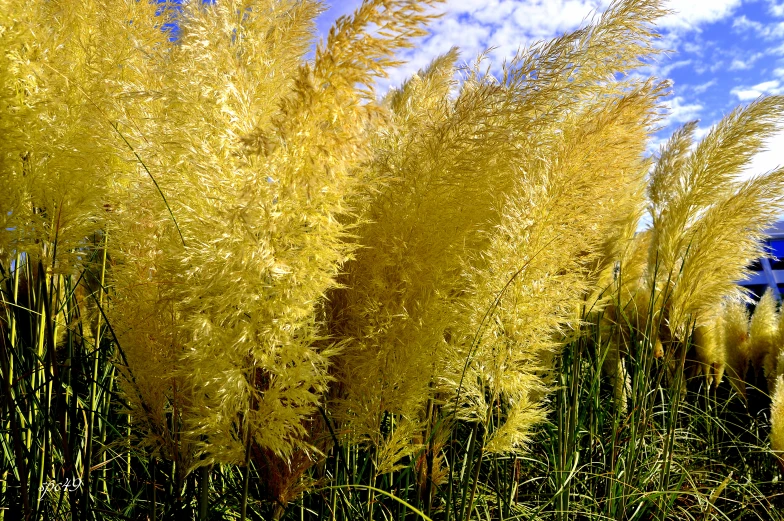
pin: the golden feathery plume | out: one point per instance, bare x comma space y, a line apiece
763, 332
258, 152
710, 349
61, 72
512, 224
736, 343
707, 227
773, 364
777, 421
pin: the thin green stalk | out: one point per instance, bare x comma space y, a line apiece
153, 471
245, 477
106, 412
429, 456
385, 493
672, 421
470, 506
91, 413
562, 496
467, 470
204, 492
498, 486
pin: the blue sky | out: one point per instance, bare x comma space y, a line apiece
725, 52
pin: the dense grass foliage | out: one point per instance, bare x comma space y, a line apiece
236, 283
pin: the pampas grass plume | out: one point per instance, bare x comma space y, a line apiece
777, 420
763, 332
736, 344
711, 351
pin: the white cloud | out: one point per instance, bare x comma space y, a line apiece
507, 25
697, 48
710, 66
767, 160
745, 63
692, 13
547, 18
699, 133
742, 65
742, 24
510, 24
538, 17
769, 31
680, 112
664, 70
754, 92
699, 89
768, 86
746, 94
775, 9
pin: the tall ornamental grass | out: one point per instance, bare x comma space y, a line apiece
235, 282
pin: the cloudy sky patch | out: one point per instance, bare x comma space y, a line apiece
725, 52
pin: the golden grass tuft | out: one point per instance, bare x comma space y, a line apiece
777, 420
711, 352
763, 330
737, 344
